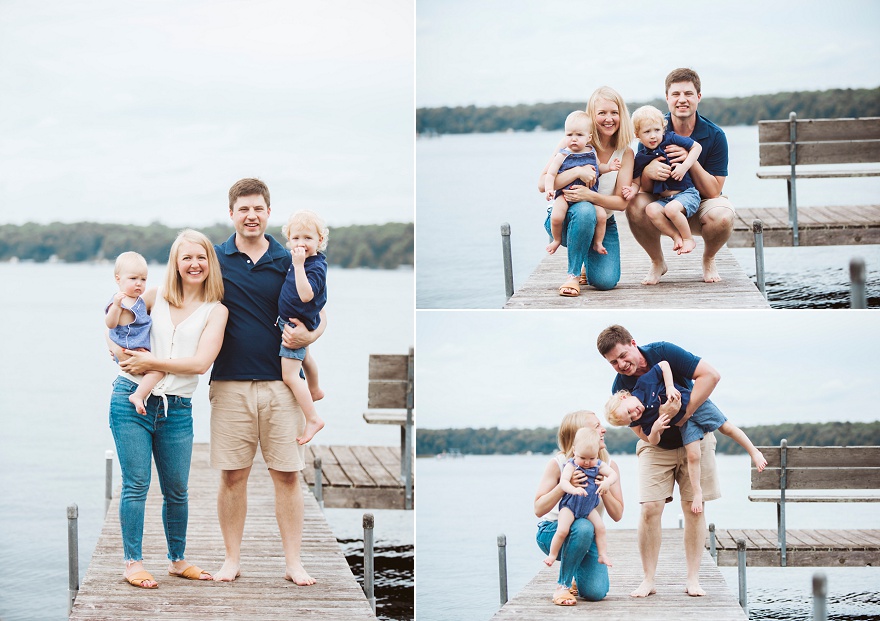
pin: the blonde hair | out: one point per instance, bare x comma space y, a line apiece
579, 116
647, 114
571, 424
625, 133
611, 407
129, 260
308, 220
212, 288
586, 442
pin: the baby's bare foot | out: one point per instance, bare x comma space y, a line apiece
552, 246
598, 247
549, 561
312, 427
687, 245
697, 504
317, 394
138, 404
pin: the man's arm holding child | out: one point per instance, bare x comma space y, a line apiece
705, 379
296, 335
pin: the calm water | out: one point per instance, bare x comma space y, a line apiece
464, 504
55, 379
460, 214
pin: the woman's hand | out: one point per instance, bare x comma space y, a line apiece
578, 478
578, 194
587, 174
138, 362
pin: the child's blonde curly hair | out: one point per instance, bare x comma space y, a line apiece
613, 405
308, 220
647, 114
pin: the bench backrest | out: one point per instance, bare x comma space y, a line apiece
820, 467
820, 141
390, 381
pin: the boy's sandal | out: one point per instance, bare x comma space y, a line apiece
570, 285
139, 577
564, 597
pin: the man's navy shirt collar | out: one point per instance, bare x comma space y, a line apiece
701, 128
276, 250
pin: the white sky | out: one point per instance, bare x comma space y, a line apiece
524, 369
499, 52
142, 111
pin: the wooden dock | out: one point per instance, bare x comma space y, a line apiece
357, 477
670, 602
681, 287
261, 593
804, 548
817, 226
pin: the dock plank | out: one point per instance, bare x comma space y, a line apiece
817, 226
670, 601
261, 590
804, 548
681, 287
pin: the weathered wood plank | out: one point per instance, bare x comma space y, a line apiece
385, 417
816, 172
818, 478
261, 593
388, 367
817, 226
812, 498
812, 130
386, 394
818, 456
831, 152
804, 548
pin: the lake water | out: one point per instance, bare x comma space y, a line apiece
464, 504
468, 185
55, 378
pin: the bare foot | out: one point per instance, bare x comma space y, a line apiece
687, 245
312, 427
603, 558
760, 461
549, 561
599, 248
138, 404
645, 589
710, 271
654, 274
552, 246
676, 243
697, 504
178, 567
317, 394
229, 572
694, 589
134, 568
298, 575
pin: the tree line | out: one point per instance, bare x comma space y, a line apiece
494, 441
380, 246
725, 111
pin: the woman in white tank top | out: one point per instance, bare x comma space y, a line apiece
188, 326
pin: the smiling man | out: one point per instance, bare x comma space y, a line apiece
665, 464
714, 219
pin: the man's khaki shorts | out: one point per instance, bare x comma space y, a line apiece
660, 469
707, 205
247, 413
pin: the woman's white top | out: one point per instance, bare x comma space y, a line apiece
180, 341
607, 181
561, 460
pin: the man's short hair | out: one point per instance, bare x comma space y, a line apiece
247, 187
683, 74
612, 336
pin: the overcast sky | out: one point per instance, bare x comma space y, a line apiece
142, 111
529, 368
499, 52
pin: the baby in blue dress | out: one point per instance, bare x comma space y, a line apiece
129, 321
583, 502
656, 402
579, 152
678, 198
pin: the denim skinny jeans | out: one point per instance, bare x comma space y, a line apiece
139, 438
603, 270
578, 559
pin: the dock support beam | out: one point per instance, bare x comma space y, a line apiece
820, 593
741, 574
508, 260
72, 555
406, 457
108, 482
713, 550
319, 483
502, 567
792, 189
780, 508
369, 589
758, 230
858, 297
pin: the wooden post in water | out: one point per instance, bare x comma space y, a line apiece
72, 555
792, 189
502, 567
758, 230
369, 589
741, 573
780, 508
407, 455
820, 593
319, 482
108, 480
508, 260
858, 297
713, 552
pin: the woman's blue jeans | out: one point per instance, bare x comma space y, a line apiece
603, 270
578, 559
139, 438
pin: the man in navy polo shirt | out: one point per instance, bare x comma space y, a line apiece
250, 404
665, 464
714, 219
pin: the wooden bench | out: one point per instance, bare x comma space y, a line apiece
800, 142
391, 401
792, 474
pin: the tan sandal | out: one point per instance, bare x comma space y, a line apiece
583, 279
563, 597
193, 572
139, 577
568, 286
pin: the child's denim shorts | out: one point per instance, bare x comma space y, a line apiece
689, 198
707, 418
296, 354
